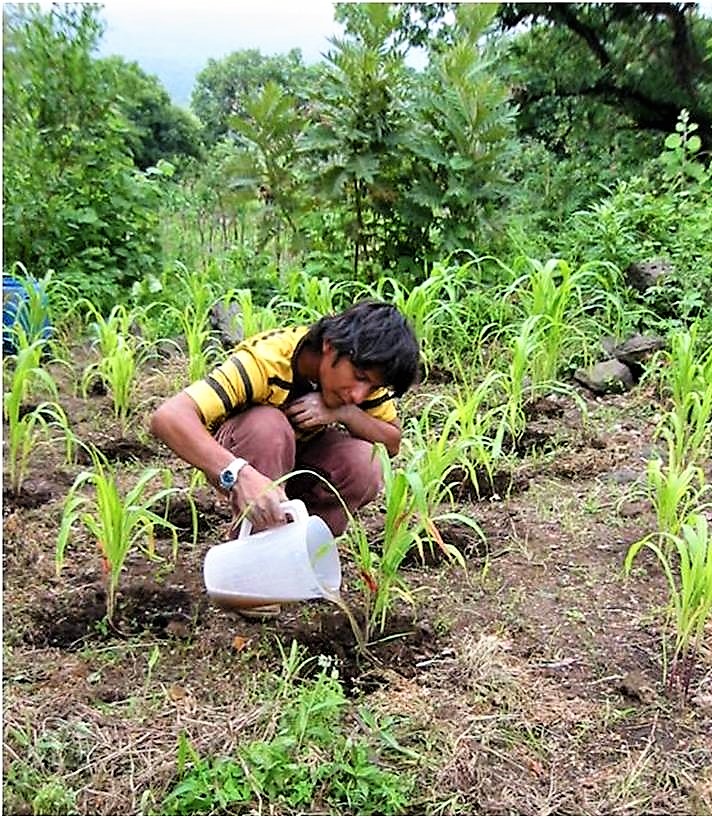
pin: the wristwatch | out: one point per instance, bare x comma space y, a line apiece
228, 477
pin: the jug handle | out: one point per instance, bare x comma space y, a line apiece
295, 508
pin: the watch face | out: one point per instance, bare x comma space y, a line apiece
227, 479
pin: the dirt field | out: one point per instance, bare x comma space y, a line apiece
529, 684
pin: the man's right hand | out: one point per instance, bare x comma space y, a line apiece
255, 495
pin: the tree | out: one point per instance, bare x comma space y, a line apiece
641, 62
161, 129
416, 158
358, 120
223, 86
73, 200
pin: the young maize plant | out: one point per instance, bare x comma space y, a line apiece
117, 522
687, 428
688, 370
24, 427
253, 318
120, 355
200, 339
309, 297
674, 493
688, 572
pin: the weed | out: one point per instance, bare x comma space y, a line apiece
303, 759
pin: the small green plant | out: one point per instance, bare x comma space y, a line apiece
673, 492
200, 339
304, 758
688, 571
680, 161
117, 522
253, 318
121, 353
24, 426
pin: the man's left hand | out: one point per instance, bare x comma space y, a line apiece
309, 411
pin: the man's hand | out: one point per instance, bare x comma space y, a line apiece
256, 495
310, 411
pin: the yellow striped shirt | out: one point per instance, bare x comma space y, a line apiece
261, 370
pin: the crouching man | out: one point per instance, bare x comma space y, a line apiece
314, 398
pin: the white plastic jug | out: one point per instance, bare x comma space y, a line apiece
296, 561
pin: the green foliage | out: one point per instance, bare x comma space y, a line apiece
266, 158
461, 126
73, 200
222, 87
44, 774
160, 130
24, 426
305, 759
689, 577
118, 522
629, 63
121, 353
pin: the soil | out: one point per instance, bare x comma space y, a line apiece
530, 680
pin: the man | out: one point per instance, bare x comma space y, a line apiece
314, 398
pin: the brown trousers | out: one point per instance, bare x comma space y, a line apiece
264, 437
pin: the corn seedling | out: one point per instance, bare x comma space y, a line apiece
674, 493
689, 577
120, 354
119, 523
558, 296
687, 428
512, 381
197, 290
688, 372
435, 459
200, 340
31, 322
23, 428
310, 298
254, 319
474, 418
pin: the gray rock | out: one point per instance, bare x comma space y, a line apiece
606, 377
226, 320
643, 275
637, 349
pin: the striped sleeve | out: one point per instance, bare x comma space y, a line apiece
237, 383
381, 405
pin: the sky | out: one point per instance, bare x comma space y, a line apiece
174, 39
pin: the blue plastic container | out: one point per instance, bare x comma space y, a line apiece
16, 311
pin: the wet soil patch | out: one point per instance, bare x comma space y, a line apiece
35, 493
500, 484
182, 508
436, 374
462, 537
123, 450
66, 625
403, 648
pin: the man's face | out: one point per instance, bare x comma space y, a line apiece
341, 382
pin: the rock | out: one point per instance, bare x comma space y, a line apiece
226, 320
641, 276
606, 377
626, 475
637, 350
170, 347
635, 685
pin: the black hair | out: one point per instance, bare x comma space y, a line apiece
373, 335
